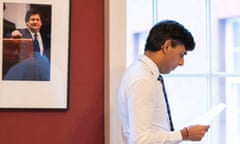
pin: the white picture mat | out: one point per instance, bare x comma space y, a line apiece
43, 94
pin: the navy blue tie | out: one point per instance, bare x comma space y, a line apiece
36, 47
160, 78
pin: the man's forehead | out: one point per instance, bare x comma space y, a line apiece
35, 15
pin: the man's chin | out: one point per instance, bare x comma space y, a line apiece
34, 29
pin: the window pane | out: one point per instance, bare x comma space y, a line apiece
225, 57
187, 97
218, 95
211, 73
236, 62
139, 20
225, 32
233, 110
191, 14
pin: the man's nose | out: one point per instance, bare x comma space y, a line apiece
181, 61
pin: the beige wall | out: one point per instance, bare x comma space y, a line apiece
115, 60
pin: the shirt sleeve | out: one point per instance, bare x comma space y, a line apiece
141, 102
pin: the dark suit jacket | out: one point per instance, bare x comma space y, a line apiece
8, 27
45, 38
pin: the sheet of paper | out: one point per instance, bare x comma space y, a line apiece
209, 116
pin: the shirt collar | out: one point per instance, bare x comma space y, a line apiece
34, 33
150, 64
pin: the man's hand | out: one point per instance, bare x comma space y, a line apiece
16, 34
194, 133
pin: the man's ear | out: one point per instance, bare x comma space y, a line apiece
166, 45
27, 24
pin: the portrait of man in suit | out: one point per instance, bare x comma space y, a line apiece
36, 67
33, 21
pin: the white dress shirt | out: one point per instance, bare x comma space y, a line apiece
142, 108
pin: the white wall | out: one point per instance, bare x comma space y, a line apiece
15, 12
115, 61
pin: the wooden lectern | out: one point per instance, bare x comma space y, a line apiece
14, 51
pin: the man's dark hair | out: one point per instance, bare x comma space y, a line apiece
169, 30
31, 12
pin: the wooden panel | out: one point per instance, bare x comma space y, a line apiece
14, 51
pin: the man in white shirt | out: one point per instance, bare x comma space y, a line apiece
143, 108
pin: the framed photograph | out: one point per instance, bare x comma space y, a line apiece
34, 54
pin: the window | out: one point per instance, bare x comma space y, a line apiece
211, 73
